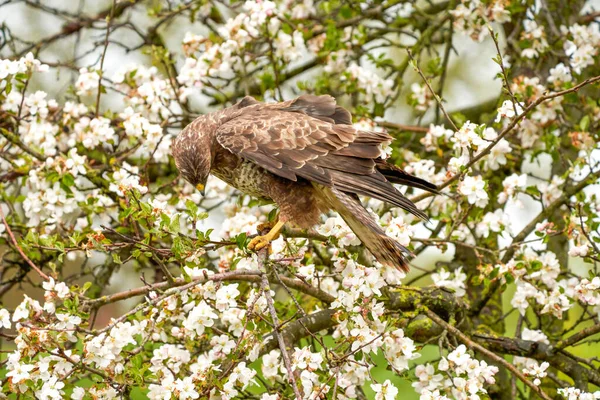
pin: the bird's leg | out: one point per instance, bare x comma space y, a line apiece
264, 240
267, 225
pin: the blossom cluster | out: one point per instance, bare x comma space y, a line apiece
466, 377
472, 16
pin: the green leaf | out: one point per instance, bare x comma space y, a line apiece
21, 77
459, 119
378, 110
584, 124
494, 273
116, 258
240, 240
509, 278
533, 191
146, 208
434, 66
165, 220
86, 286
346, 12
267, 81
192, 207
175, 226
68, 180
272, 215
536, 265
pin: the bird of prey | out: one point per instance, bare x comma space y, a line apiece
304, 155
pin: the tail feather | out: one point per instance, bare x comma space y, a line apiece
397, 175
385, 249
376, 186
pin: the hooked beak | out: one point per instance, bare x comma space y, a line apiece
201, 188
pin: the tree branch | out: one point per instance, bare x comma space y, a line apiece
82, 23
509, 128
264, 283
232, 276
19, 249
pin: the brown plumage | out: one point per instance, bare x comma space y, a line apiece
304, 155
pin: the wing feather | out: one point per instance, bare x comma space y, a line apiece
319, 107
294, 142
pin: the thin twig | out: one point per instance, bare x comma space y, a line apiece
276, 327
513, 123
12, 238
100, 73
237, 275
402, 127
504, 73
437, 98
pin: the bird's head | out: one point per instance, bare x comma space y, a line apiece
193, 156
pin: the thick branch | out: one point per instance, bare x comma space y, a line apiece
401, 299
245, 276
301, 328
579, 336
540, 351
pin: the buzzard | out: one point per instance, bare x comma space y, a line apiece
304, 155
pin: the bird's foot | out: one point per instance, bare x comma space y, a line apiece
259, 242
263, 241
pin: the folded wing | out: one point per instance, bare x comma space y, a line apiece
311, 138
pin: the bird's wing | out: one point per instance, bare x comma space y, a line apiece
293, 143
321, 107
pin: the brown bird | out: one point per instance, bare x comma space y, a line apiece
305, 156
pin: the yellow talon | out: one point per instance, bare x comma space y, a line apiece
258, 243
262, 241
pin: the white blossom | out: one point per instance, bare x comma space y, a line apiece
4, 319
87, 82
559, 75
509, 110
452, 280
474, 188
200, 317
385, 390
